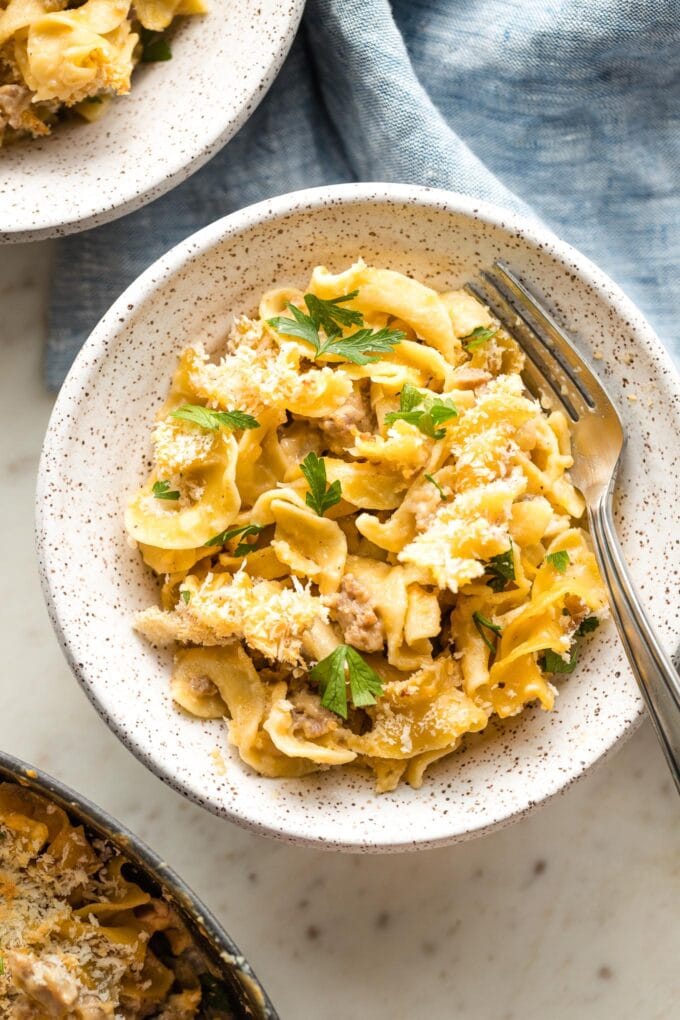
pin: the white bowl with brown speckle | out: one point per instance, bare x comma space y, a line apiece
95, 454
178, 114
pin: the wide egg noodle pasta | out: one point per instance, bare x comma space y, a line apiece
79, 937
56, 55
400, 567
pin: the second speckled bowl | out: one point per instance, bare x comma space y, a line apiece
95, 451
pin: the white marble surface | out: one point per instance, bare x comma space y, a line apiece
569, 914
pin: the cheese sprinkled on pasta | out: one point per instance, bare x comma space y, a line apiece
406, 503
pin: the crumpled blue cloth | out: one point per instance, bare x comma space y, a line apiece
566, 108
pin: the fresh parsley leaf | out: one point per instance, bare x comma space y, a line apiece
552, 662
478, 337
329, 316
211, 420
244, 531
161, 490
185, 595
502, 570
587, 626
437, 486
559, 560
332, 673
301, 326
364, 346
483, 624
321, 496
154, 46
361, 348
423, 411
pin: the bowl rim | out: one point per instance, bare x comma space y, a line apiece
160, 183
223, 948
115, 319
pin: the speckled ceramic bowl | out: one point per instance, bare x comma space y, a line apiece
244, 992
177, 116
95, 453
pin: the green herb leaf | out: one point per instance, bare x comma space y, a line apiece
552, 662
161, 490
364, 346
483, 624
559, 560
2, 964
437, 486
185, 595
477, 337
332, 673
587, 626
361, 348
423, 411
329, 316
502, 570
211, 420
300, 326
244, 531
154, 46
321, 496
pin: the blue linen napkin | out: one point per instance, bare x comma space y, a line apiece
567, 108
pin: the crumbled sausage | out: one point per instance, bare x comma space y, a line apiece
466, 378
351, 608
310, 717
354, 416
14, 101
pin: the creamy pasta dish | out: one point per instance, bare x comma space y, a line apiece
364, 528
79, 937
59, 55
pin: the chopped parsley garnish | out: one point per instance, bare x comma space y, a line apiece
552, 662
361, 348
477, 337
243, 547
2, 964
437, 486
185, 595
154, 46
424, 411
321, 495
161, 490
502, 569
587, 626
483, 625
332, 674
206, 418
559, 560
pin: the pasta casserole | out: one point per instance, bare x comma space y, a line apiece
57, 55
364, 527
79, 937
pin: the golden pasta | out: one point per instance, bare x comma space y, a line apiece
80, 938
365, 529
57, 55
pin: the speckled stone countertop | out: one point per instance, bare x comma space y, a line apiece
570, 914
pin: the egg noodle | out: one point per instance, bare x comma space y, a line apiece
368, 540
79, 938
56, 54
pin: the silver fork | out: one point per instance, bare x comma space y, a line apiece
557, 374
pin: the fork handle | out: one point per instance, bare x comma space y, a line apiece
654, 671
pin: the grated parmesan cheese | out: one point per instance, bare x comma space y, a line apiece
270, 618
